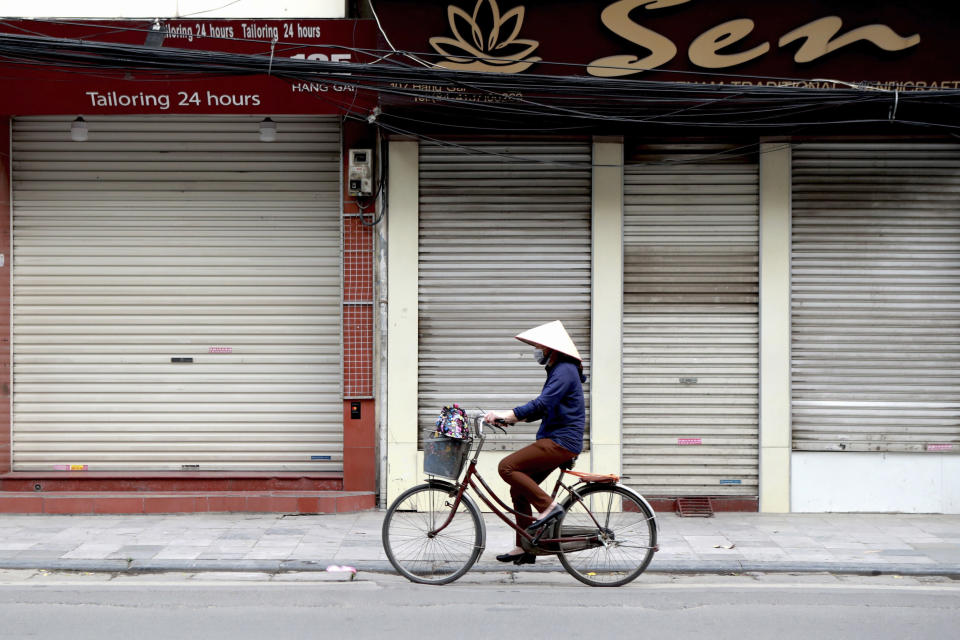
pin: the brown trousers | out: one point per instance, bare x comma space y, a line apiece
525, 469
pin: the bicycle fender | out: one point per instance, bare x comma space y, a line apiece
637, 496
449, 486
643, 501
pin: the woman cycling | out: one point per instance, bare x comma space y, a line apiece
560, 409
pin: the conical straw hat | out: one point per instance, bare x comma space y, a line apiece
551, 336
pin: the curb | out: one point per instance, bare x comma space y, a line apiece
280, 566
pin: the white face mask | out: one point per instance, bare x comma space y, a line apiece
540, 356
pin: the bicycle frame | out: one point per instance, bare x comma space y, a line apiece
536, 539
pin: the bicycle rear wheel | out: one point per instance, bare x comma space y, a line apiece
623, 536
438, 558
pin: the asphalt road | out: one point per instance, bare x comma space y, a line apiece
309, 605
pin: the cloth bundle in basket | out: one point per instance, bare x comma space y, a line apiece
453, 423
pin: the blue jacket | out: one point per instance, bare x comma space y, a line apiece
559, 407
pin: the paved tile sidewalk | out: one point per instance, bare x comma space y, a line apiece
727, 542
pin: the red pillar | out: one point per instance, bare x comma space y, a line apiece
359, 426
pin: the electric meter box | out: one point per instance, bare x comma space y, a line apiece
360, 173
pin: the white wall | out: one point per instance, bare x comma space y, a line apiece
875, 482
173, 9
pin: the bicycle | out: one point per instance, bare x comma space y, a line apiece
433, 533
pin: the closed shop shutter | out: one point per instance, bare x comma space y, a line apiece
176, 295
690, 320
504, 246
876, 296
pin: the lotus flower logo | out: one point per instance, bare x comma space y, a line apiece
492, 44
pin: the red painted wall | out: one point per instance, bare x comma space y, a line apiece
359, 447
359, 433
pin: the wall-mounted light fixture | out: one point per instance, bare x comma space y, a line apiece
78, 130
268, 130
156, 34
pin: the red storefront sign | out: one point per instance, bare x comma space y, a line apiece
33, 90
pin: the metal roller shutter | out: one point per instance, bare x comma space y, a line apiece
164, 238
504, 246
691, 320
876, 296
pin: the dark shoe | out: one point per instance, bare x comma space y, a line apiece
554, 513
519, 558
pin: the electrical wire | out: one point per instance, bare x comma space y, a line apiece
386, 38
553, 103
500, 78
590, 95
725, 77
197, 13
502, 102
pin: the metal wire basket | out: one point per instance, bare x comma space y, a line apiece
445, 457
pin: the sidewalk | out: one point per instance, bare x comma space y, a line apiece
727, 542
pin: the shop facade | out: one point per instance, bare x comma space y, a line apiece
191, 287
752, 350
769, 315
773, 312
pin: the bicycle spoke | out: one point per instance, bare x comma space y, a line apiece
415, 547
620, 545
624, 538
639, 523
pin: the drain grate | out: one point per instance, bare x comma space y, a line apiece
695, 507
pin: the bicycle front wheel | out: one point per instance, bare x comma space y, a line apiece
621, 533
414, 546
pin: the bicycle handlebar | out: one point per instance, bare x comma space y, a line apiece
497, 424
